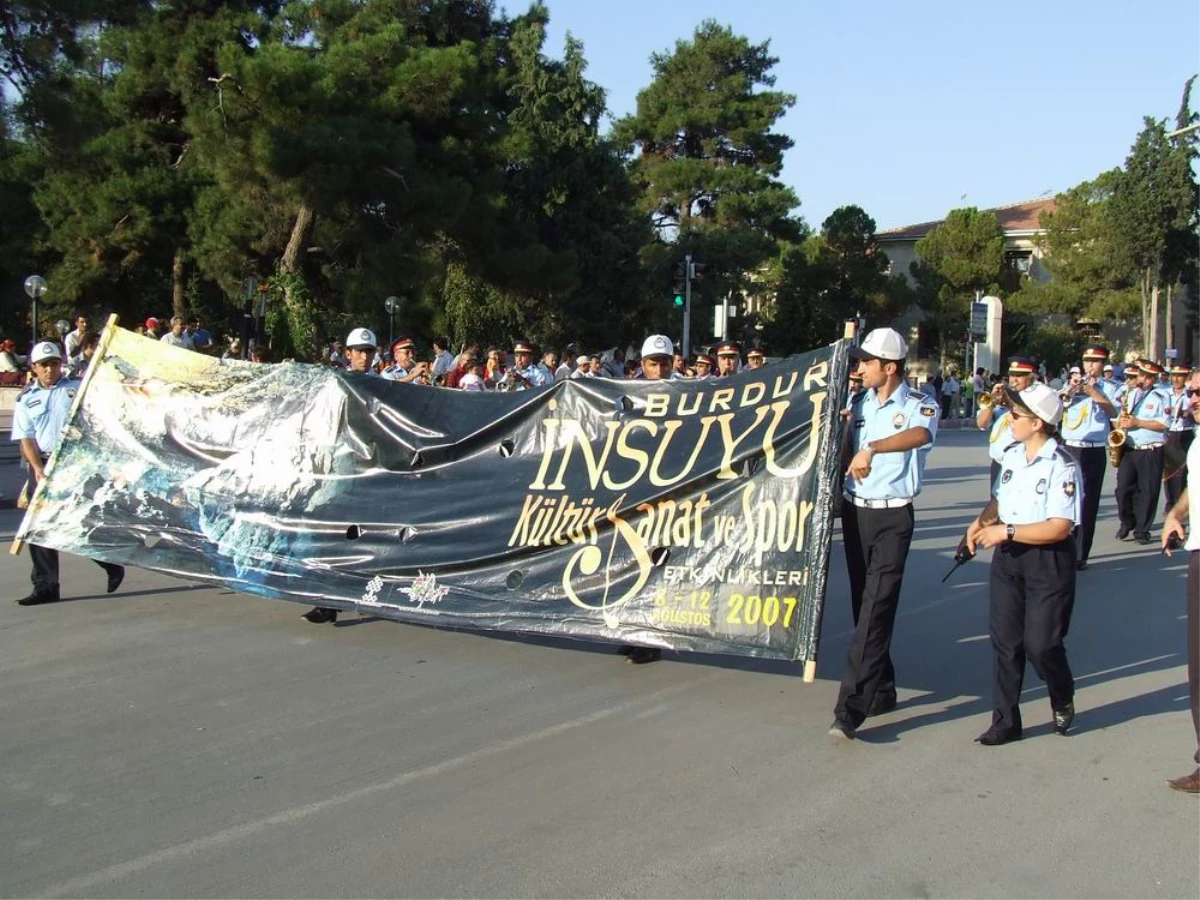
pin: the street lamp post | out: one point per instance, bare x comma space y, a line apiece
35, 286
391, 304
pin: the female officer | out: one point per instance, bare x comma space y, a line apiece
1030, 523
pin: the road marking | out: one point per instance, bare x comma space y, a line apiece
84, 884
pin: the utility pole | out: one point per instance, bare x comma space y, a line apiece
687, 305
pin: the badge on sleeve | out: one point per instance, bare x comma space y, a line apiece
928, 409
898, 419
1069, 488
1006, 477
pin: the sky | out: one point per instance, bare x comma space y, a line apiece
912, 109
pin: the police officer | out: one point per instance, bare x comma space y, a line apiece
360, 354
39, 415
890, 432
1087, 418
1029, 522
404, 368
1173, 535
1144, 418
658, 355
1021, 370
1181, 429
729, 358
525, 372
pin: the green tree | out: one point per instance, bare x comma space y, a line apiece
858, 269
1154, 209
707, 161
962, 255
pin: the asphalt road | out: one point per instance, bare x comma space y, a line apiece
176, 741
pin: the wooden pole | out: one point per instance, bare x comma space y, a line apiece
810, 665
110, 330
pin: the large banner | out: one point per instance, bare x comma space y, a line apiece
693, 515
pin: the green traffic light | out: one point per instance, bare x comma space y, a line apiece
679, 300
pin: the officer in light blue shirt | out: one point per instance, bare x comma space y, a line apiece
40, 414
1181, 430
889, 433
1145, 414
1021, 370
1030, 523
1090, 407
525, 372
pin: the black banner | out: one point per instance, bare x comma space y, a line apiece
683, 514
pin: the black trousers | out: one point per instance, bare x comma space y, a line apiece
876, 543
1193, 630
1092, 463
1139, 482
1174, 486
1028, 619
45, 571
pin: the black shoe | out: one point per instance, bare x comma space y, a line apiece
1123, 533
994, 737
1080, 565
1063, 719
1143, 539
115, 577
35, 598
321, 615
843, 729
639, 656
884, 702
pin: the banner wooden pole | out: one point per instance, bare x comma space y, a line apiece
810, 665
110, 329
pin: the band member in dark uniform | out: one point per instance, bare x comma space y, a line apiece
1089, 409
1029, 523
890, 432
1181, 430
1139, 477
1021, 370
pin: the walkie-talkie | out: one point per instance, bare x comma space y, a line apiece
962, 556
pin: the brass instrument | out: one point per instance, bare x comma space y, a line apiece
986, 401
994, 397
1117, 437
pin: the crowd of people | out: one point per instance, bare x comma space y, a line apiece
1050, 445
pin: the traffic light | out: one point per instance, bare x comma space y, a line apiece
699, 270
679, 285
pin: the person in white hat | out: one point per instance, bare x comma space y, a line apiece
1031, 524
658, 358
360, 351
890, 431
40, 414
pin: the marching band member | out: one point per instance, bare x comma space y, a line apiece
1087, 418
1020, 376
1181, 429
755, 359
890, 433
1139, 477
525, 372
705, 365
1029, 522
404, 368
729, 357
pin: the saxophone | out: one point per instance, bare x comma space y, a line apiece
1116, 437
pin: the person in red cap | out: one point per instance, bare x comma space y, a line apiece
729, 358
1144, 420
1181, 429
1090, 407
1021, 370
704, 365
152, 327
404, 367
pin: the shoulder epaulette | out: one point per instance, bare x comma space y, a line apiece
1013, 444
25, 390
918, 396
1064, 454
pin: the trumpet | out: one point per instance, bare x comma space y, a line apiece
995, 397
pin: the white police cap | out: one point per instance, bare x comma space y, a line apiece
882, 343
1041, 400
360, 338
657, 345
44, 351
